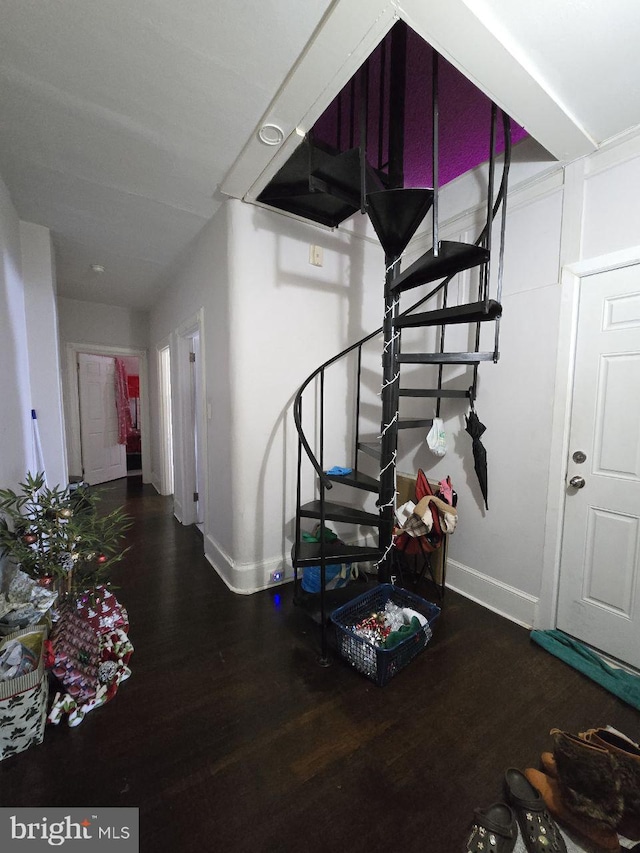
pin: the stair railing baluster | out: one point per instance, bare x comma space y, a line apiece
492, 165
506, 121
323, 555
364, 113
298, 502
443, 329
352, 112
434, 130
322, 419
357, 415
382, 101
397, 97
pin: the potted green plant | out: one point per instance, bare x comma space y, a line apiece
58, 537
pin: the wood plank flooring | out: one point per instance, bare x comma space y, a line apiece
229, 736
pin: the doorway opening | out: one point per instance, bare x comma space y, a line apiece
591, 576
96, 451
189, 425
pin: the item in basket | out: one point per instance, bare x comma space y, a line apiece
362, 656
393, 615
403, 632
373, 629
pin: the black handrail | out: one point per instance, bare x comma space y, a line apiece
297, 404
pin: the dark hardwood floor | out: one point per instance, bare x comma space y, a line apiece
229, 736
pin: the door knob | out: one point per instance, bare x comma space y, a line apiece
577, 482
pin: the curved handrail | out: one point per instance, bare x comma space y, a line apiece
297, 404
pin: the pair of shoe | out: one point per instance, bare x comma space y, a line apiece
495, 829
591, 783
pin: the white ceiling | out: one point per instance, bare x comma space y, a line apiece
121, 119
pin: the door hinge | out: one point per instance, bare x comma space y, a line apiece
192, 357
196, 497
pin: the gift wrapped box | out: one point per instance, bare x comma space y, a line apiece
91, 651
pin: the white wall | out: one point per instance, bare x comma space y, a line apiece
291, 317
15, 412
38, 271
29, 353
95, 323
202, 281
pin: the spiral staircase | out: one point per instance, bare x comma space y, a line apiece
329, 186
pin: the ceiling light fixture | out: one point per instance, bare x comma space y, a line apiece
271, 134
97, 268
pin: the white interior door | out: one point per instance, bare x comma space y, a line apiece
599, 593
196, 402
103, 458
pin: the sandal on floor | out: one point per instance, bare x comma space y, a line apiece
539, 831
494, 830
549, 789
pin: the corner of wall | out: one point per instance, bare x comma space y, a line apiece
246, 578
495, 595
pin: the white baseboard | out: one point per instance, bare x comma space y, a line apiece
245, 578
177, 509
507, 601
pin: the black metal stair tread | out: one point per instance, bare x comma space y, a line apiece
414, 423
358, 480
340, 175
333, 598
371, 448
446, 357
340, 512
434, 392
452, 258
315, 206
396, 214
289, 189
337, 552
474, 312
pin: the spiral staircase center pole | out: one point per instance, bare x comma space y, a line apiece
389, 424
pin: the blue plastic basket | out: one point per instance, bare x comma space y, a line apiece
378, 664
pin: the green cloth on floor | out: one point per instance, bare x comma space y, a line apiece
622, 684
396, 637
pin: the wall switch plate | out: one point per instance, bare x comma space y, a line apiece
315, 256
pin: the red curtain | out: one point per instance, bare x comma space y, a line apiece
122, 402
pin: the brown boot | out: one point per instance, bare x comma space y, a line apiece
589, 779
627, 756
549, 788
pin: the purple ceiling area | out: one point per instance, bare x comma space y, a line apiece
464, 115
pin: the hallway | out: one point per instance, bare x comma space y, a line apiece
229, 736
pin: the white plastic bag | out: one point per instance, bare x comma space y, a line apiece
436, 438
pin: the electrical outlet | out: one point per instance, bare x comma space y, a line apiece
315, 256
